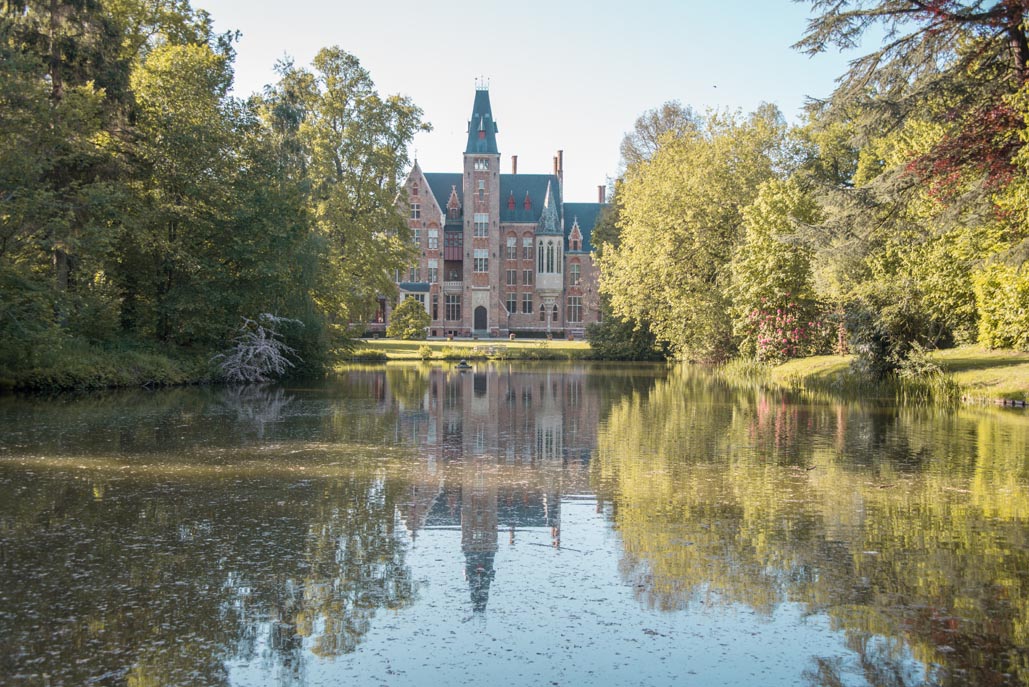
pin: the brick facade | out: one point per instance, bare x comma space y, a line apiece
487, 240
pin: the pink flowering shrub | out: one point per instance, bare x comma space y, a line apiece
788, 330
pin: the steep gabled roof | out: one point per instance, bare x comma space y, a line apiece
441, 183
482, 130
586, 214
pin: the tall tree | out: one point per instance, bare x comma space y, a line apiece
681, 219
355, 147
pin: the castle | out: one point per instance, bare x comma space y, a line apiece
498, 254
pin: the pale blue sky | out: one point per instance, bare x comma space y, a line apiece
564, 74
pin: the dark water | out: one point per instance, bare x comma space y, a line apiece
511, 525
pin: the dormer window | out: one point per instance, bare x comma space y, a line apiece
511, 201
528, 201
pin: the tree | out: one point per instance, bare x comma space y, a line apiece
409, 320
681, 219
774, 306
960, 59
354, 143
671, 119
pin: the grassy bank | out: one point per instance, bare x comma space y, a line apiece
80, 367
971, 374
486, 349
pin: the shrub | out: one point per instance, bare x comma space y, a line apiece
425, 352
408, 321
1002, 302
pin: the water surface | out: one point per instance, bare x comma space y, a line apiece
513, 524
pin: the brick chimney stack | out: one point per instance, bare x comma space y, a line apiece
601, 194
514, 164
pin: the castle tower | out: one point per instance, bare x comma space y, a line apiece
481, 219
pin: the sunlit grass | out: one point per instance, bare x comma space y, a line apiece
527, 349
986, 375
979, 375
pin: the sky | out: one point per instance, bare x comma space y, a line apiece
569, 75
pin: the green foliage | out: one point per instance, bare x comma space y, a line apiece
775, 310
142, 204
615, 339
408, 321
1002, 298
425, 352
681, 217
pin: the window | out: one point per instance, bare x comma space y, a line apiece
573, 274
413, 273
512, 248
512, 277
435, 306
539, 258
452, 302
481, 224
481, 260
433, 271
512, 302
527, 303
575, 308
550, 257
527, 248
481, 164
416, 236
414, 190
482, 188
420, 297
433, 239
527, 277
416, 211
557, 316
543, 312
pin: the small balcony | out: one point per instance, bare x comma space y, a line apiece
453, 286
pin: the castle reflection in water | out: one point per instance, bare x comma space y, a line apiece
499, 449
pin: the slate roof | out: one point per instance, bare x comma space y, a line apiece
414, 286
440, 184
519, 184
587, 214
482, 120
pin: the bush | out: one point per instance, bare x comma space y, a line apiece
425, 352
1002, 302
408, 321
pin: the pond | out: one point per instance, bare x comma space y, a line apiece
510, 524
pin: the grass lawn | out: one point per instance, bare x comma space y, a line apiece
986, 375
397, 349
982, 375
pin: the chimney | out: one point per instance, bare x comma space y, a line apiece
561, 169
514, 164
601, 194
556, 168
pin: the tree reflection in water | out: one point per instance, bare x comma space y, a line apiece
215, 536
908, 528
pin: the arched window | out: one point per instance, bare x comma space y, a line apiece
539, 258
556, 315
550, 257
543, 312
559, 262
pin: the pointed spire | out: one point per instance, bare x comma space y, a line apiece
482, 130
548, 223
